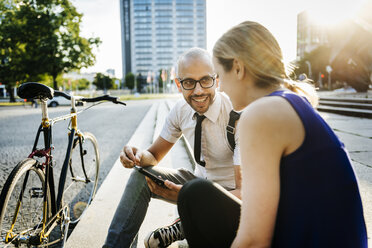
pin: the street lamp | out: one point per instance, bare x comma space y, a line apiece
309, 67
329, 70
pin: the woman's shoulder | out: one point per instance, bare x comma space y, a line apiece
274, 113
267, 107
272, 119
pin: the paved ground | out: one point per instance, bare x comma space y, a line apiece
356, 133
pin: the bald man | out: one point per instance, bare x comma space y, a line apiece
217, 161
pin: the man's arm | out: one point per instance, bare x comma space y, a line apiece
158, 150
131, 156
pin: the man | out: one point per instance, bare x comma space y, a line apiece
198, 84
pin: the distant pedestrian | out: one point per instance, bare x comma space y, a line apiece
302, 77
34, 103
298, 185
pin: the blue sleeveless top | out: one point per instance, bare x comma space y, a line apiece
319, 203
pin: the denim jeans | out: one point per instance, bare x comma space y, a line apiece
133, 205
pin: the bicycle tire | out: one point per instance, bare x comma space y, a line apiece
79, 192
30, 214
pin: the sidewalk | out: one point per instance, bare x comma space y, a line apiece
88, 233
356, 133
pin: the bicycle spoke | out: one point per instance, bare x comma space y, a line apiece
26, 221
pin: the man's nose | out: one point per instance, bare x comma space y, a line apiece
198, 89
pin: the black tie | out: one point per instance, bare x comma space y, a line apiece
197, 140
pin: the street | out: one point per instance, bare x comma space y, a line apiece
112, 124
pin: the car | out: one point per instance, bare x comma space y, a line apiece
61, 101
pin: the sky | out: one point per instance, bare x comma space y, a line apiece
101, 18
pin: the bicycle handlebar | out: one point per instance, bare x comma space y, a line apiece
93, 99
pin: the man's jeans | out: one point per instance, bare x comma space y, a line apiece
133, 205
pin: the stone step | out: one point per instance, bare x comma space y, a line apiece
363, 113
341, 104
347, 99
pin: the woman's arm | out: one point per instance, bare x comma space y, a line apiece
265, 128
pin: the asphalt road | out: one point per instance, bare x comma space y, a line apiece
112, 124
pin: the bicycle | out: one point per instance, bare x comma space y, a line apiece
31, 212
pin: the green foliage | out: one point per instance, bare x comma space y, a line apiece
103, 82
83, 84
160, 79
41, 37
141, 82
318, 59
129, 80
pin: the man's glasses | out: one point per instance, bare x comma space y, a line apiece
205, 82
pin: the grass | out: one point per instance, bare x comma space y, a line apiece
11, 104
148, 96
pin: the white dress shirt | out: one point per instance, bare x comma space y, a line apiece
215, 148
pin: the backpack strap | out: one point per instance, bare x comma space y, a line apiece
230, 129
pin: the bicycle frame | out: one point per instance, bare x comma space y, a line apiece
53, 213
49, 186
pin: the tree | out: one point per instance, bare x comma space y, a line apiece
141, 82
83, 84
353, 64
42, 37
349, 53
129, 80
103, 82
11, 52
318, 58
160, 78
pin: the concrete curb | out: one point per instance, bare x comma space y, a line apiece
91, 231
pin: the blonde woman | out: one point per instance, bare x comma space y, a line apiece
298, 186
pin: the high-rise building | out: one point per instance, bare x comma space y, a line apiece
310, 34
156, 32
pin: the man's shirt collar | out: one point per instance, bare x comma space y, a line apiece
214, 109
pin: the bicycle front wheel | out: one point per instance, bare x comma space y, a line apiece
21, 204
81, 182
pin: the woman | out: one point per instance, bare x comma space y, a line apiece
298, 188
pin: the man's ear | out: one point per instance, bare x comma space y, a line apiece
217, 82
239, 69
178, 83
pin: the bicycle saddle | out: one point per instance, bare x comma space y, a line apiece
35, 90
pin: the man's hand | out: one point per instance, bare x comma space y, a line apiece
130, 156
169, 193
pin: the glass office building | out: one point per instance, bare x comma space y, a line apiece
156, 32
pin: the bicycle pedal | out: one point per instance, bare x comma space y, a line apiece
36, 192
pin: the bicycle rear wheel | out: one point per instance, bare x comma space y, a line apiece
81, 182
21, 204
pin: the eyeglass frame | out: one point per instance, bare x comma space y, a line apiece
214, 77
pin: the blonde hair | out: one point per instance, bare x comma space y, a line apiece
257, 48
